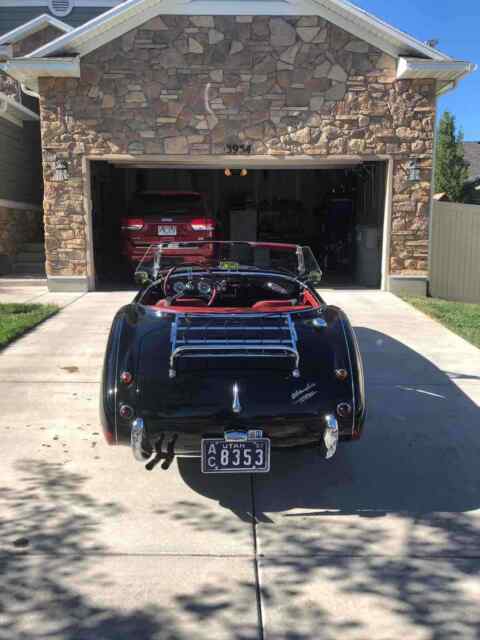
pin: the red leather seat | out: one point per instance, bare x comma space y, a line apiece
272, 305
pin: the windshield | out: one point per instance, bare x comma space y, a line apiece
231, 256
167, 204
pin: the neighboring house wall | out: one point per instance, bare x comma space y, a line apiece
289, 86
471, 152
20, 189
21, 164
21, 183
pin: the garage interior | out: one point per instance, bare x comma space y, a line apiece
337, 211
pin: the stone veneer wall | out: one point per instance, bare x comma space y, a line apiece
16, 227
190, 85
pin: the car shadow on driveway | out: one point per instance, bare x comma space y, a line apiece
390, 527
419, 454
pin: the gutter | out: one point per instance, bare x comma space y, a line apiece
447, 73
29, 92
27, 70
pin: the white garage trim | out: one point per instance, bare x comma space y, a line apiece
234, 162
387, 228
213, 162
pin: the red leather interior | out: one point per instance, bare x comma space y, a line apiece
205, 309
197, 305
272, 305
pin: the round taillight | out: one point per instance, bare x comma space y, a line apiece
341, 374
126, 377
126, 411
344, 410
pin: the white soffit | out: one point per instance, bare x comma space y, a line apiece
415, 68
26, 69
133, 13
31, 27
447, 73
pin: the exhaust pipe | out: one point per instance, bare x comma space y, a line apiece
330, 436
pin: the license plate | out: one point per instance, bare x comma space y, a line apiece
167, 230
248, 456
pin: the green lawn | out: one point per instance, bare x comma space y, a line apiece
461, 318
15, 319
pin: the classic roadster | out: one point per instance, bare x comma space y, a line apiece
226, 351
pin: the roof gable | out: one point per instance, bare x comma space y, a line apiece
134, 13
33, 26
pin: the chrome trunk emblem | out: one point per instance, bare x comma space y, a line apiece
236, 406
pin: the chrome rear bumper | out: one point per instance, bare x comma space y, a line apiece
137, 440
331, 436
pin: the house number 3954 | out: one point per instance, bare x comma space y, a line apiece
238, 148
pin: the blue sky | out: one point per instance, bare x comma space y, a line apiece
456, 24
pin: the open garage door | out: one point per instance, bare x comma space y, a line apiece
337, 212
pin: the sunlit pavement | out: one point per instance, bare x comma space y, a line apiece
382, 542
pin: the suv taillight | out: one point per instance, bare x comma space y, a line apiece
132, 224
203, 224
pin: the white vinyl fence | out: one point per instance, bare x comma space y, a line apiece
455, 252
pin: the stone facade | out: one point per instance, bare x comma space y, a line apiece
16, 227
192, 85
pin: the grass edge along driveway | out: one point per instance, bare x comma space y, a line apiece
460, 317
17, 319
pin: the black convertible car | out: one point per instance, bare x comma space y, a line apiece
226, 351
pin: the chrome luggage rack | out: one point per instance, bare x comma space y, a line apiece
234, 335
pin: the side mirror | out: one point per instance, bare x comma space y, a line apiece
142, 278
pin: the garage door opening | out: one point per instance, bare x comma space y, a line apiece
337, 212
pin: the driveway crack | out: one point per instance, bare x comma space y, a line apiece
258, 587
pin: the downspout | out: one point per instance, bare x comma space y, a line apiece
432, 192
29, 92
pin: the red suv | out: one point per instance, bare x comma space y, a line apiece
165, 216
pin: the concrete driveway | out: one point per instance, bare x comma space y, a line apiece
381, 543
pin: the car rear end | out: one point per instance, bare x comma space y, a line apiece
166, 216
300, 384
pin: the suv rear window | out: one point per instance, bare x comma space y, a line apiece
160, 204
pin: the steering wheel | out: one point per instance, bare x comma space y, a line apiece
193, 293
